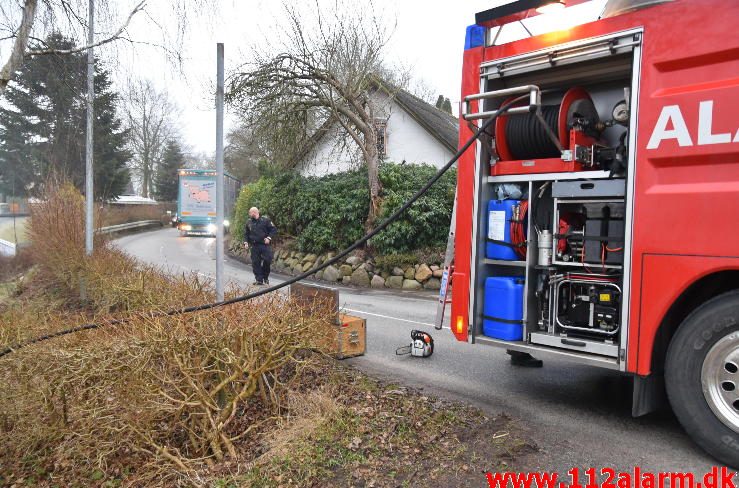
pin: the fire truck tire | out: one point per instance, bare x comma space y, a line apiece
702, 377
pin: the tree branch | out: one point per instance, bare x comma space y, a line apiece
116, 35
20, 45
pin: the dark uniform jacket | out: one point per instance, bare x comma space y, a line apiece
259, 229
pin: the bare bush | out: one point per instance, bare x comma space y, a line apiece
181, 390
175, 393
57, 233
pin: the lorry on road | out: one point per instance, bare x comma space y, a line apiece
196, 201
597, 219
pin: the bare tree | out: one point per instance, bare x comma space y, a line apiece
54, 15
243, 153
25, 23
323, 69
199, 159
422, 89
150, 117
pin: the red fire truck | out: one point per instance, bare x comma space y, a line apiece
598, 218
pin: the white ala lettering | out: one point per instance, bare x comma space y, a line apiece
705, 124
671, 116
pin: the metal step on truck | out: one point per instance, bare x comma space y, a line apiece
598, 218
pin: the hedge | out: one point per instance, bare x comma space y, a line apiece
328, 213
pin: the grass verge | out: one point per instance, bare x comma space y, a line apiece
10, 231
356, 431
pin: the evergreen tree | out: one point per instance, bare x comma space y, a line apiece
446, 106
165, 179
443, 104
43, 124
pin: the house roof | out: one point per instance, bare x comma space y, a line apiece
442, 126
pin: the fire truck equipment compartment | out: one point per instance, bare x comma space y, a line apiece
499, 245
503, 312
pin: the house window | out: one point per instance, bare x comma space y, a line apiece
381, 131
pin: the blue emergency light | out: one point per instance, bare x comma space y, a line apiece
475, 36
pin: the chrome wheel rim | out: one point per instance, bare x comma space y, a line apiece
720, 380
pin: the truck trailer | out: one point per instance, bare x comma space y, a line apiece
196, 201
597, 218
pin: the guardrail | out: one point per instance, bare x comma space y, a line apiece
142, 224
10, 249
7, 248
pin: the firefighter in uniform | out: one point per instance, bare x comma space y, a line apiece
258, 236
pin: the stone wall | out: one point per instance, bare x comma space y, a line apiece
359, 272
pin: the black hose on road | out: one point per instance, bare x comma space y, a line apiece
249, 296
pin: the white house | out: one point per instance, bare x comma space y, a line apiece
409, 131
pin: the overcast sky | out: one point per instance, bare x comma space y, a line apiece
427, 40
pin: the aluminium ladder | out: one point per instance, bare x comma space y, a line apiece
446, 277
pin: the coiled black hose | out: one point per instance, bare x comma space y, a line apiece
527, 139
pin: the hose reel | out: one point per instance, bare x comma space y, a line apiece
531, 136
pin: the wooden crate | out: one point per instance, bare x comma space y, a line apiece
310, 296
351, 336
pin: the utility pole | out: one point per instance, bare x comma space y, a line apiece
220, 197
89, 224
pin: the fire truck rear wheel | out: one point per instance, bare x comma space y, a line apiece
702, 376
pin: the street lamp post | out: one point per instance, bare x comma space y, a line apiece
89, 224
220, 197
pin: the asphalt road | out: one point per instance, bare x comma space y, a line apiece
578, 415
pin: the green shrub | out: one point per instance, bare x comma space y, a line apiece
431, 255
328, 213
390, 261
426, 222
251, 195
332, 210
